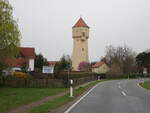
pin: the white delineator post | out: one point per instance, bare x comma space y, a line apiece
71, 88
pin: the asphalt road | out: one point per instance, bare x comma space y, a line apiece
117, 96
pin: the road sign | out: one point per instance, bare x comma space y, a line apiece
145, 71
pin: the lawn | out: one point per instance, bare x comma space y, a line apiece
146, 85
11, 98
44, 108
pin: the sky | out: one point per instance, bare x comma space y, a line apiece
47, 25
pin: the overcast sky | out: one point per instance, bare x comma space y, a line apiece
47, 24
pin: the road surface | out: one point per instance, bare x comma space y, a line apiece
117, 96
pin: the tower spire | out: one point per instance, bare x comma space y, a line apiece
81, 23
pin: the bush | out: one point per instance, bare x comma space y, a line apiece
38, 75
64, 75
135, 75
84, 66
20, 75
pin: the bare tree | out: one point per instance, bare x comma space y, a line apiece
121, 59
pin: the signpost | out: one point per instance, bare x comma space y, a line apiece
145, 71
71, 88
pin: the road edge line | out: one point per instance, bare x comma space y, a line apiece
72, 106
123, 93
138, 84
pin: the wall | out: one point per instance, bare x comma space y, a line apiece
31, 65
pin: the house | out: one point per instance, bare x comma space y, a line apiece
25, 59
50, 67
29, 56
100, 68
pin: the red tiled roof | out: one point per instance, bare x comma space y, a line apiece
27, 52
81, 23
98, 64
16, 62
50, 63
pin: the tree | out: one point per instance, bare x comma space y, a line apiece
64, 63
84, 66
143, 61
9, 33
121, 59
40, 61
115, 70
103, 59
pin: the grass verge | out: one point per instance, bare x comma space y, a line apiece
11, 98
44, 108
146, 85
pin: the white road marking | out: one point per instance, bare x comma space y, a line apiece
123, 93
138, 84
119, 86
118, 83
71, 107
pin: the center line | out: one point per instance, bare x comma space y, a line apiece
123, 93
118, 83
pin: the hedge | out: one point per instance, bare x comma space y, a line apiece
72, 75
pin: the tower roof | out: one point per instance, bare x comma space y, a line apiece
80, 23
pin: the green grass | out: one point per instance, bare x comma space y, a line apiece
11, 98
44, 108
146, 85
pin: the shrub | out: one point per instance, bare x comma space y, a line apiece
72, 75
20, 75
84, 66
135, 75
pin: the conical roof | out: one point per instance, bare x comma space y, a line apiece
80, 23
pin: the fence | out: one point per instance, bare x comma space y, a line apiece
41, 83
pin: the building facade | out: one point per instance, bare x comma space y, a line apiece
80, 35
100, 68
25, 59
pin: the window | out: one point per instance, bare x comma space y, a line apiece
82, 49
77, 31
83, 34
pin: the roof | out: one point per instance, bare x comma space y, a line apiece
16, 62
27, 52
98, 64
52, 63
80, 23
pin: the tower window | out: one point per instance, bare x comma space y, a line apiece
82, 49
83, 34
77, 31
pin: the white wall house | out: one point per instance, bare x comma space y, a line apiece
48, 69
100, 68
26, 59
31, 64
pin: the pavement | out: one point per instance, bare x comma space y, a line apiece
116, 96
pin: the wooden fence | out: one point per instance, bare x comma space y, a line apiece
41, 83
